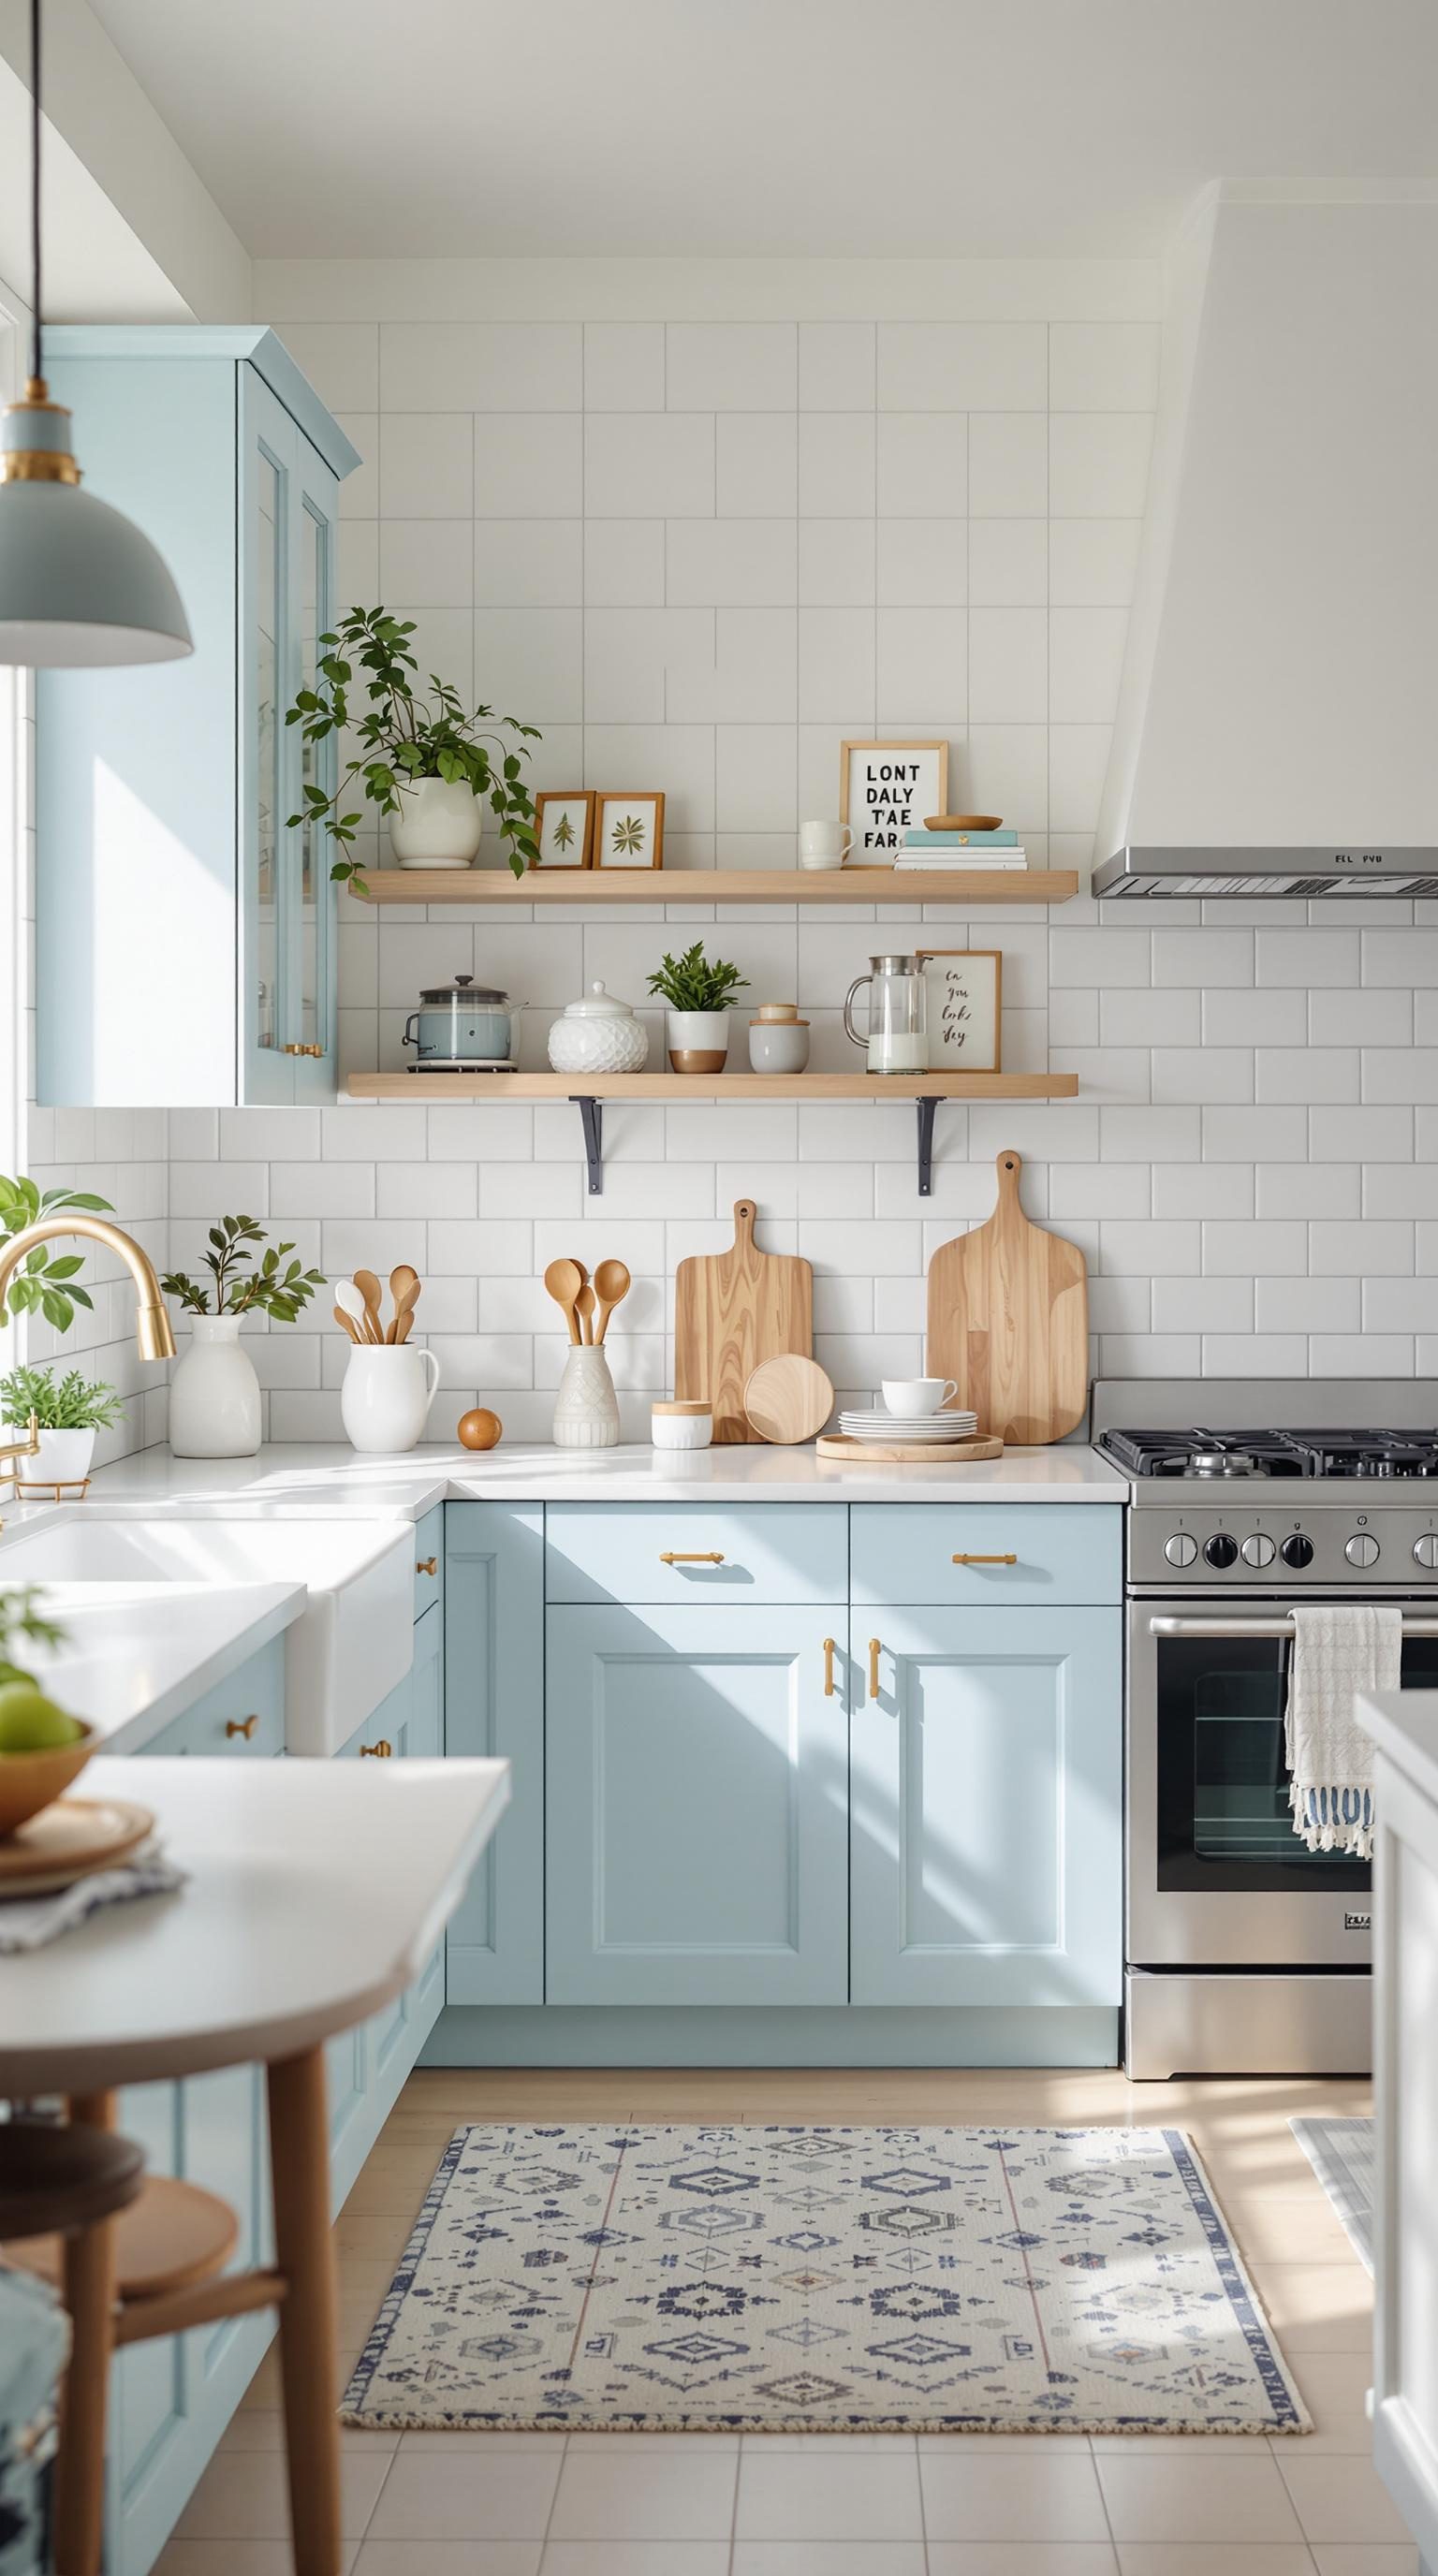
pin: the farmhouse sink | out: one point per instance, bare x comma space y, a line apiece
351, 1645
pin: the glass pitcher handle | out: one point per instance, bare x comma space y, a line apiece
849, 1029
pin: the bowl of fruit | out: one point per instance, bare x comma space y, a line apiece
41, 1751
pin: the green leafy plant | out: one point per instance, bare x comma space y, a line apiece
45, 1286
695, 983
20, 1618
237, 1286
71, 1403
407, 737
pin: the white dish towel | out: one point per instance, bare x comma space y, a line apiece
1339, 1649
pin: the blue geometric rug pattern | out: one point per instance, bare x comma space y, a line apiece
811, 2279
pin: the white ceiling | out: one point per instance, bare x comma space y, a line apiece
798, 128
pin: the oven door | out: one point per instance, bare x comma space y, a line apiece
1216, 1875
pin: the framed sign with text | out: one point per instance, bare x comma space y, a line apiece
885, 790
965, 1004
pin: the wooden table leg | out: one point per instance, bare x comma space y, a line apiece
299, 2175
89, 2297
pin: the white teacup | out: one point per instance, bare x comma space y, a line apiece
824, 845
911, 1395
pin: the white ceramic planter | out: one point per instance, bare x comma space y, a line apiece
64, 1459
586, 1414
214, 1394
387, 1392
439, 824
698, 1041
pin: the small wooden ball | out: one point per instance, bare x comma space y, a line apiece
481, 1429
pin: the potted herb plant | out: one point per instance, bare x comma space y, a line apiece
214, 1393
428, 763
698, 992
69, 1410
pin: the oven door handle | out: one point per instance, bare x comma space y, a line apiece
1200, 1629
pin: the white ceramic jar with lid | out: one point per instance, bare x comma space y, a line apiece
598, 1034
682, 1425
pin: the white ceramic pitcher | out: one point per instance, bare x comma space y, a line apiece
387, 1392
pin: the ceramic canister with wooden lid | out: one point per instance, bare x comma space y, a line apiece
688, 1425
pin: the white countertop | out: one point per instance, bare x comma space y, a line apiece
136, 1655
1404, 1727
329, 1477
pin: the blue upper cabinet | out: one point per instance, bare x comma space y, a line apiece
185, 930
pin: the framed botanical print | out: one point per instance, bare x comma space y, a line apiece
564, 827
629, 832
886, 789
964, 1011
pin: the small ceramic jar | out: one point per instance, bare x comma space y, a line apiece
778, 1046
598, 1034
682, 1425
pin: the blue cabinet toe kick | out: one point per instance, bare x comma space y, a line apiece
1054, 2035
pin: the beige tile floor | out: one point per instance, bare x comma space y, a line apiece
456, 2504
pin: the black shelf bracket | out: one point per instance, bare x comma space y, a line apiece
926, 1108
591, 1114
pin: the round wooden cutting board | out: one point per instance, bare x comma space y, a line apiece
949, 1453
788, 1399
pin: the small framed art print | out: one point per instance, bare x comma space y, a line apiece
886, 789
965, 1004
629, 832
564, 827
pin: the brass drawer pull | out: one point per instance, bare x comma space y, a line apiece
292, 1049
426, 1565
244, 1726
383, 1749
873, 1668
983, 1560
694, 1556
828, 1668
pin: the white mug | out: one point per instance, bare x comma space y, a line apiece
387, 1392
824, 845
913, 1395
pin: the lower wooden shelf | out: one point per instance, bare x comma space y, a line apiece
589, 1092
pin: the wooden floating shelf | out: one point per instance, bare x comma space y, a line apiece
589, 1092
495, 887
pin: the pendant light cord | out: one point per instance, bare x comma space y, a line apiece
35, 356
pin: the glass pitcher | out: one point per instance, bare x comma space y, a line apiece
897, 1035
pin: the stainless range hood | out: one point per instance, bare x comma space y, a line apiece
1277, 727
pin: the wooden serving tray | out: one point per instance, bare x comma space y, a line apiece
953, 1453
68, 1840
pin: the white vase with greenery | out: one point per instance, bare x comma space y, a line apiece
214, 1394
698, 991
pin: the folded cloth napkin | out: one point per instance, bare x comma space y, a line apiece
1339, 1649
28, 1922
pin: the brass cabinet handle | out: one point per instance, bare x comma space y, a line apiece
828, 1668
983, 1560
873, 1668
426, 1565
383, 1749
691, 1556
291, 1048
244, 1726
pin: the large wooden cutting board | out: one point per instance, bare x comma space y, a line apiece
732, 1310
1008, 1319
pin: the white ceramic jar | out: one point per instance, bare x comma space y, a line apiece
214, 1394
387, 1392
598, 1034
586, 1411
680, 1425
439, 824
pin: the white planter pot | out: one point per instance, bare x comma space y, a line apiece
64, 1459
215, 1394
698, 1041
387, 1392
439, 824
586, 1414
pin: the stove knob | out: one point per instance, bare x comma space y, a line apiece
1221, 1550
1258, 1550
1181, 1549
1425, 1551
1362, 1548
1298, 1550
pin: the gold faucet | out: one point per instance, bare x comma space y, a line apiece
153, 1337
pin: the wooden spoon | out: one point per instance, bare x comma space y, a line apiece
403, 1288
369, 1289
404, 1306
564, 1279
350, 1303
347, 1325
612, 1282
584, 1309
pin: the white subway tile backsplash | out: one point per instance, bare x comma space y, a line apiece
1362, 1135
1316, 1074
922, 563
1307, 1305
1151, 1019
1397, 1189
623, 562
1265, 1355
836, 563
1310, 1189
1360, 1355
1256, 1135
1103, 366
731, 563
838, 465
1276, 1249
1008, 465
1008, 563
1078, 761
732, 366
1170, 1248
1202, 957
1402, 957
426, 466
1150, 1355
1085, 663
1309, 957
1098, 464
1202, 1074
1396, 1306
481, 366
1099, 957
922, 464
921, 671
624, 366
757, 464
836, 365
1251, 1017
1009, 674
1401, 1073
645, 464
530, 465
528, 563
1371, 1247
1203, 1305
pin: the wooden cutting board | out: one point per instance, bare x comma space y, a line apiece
1008, 1319
909, 1453
732, 1310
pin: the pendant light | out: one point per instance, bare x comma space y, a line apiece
79, 583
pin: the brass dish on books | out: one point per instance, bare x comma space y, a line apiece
963, 822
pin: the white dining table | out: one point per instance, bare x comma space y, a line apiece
316, 1892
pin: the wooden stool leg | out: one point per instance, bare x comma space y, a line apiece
299, 2173
89, 2295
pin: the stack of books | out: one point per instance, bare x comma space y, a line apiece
956, 850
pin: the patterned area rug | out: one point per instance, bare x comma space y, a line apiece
1341, 2154
783, 2280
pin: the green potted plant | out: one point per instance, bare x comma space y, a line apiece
69, 1410
428, 763
698, 991
214, 1393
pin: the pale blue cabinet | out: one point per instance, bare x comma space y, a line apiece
185, 930
494, 1705
697, 1775
986, 1805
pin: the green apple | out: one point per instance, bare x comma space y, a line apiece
31, 1723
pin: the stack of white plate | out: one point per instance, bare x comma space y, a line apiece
876, 1423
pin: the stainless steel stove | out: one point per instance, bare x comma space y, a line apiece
1246, 1953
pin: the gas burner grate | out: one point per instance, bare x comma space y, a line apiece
1380, 1456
